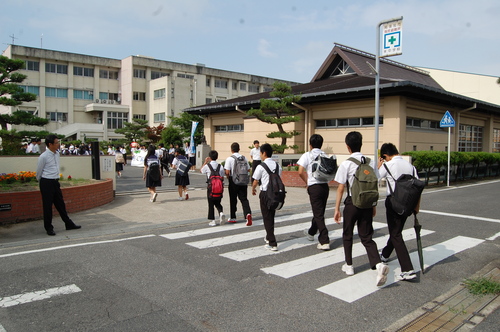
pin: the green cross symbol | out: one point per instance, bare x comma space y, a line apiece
392, 40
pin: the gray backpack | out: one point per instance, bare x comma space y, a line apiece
364, 189
239, 173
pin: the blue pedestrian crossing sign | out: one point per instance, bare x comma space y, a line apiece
447, 121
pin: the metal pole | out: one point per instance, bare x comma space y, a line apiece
449, 157
377, 86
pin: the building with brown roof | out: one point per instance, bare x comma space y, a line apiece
341, 98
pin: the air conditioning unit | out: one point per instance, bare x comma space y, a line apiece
104, 101
111, 102
97, 101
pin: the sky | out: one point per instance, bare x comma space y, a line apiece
283, 39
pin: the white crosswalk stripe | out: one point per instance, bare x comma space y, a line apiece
362, 284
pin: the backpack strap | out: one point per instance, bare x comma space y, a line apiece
263, 164
389, 172
357, 162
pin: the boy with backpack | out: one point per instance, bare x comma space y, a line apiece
359, 174
215, 187
318, 191
236, 168
391, 167
265, 173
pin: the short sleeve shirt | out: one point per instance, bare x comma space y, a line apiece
230, 161
255, 153
306, 161
206, 170
262, 175
398, 166
346, 170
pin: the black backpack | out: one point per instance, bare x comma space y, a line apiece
275, 194
406, 194
154, 171
215, 182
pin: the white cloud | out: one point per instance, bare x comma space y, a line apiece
263, 48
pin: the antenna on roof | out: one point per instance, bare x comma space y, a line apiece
13, 38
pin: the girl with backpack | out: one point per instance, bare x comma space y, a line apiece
152, 172
182, 165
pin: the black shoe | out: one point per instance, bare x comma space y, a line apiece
51, 233
73, 226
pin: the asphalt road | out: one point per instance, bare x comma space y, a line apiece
194, 278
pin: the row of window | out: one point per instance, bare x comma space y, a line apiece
228, 128
470, 138
350, 122
423, 124
160, 93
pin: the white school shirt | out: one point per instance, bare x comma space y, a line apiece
347, 169
398, 166
214, 164
262, 175
230, 162
48, 165
255, 153
306, 161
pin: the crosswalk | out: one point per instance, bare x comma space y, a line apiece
288, 230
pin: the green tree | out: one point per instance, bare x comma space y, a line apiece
134, 131
184, 124
171, 135
278, 110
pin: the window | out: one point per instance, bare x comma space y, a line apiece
57, 116
191, 77
243, 86
350, 122
140, 116
31, 89
116, 119
470, 138
235, 85
221, 84
160, 93
139, 73
253, 88
208, 82
268, 88
158, 74
112, 75
208, 100
496, 140
56, 68
229, 128
422, 123
83, 94
108, 96
342, 68
159, 117
56, 93
33, 65
139, 96
83, 71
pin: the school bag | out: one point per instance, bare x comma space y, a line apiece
239, 174
164, 157
154, 170
364, 189
406, 194
215, 183
275, 193
119, 158
324, 167
183, 167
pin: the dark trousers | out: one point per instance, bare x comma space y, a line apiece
268, 216
164, 166
52, 194
238, 192
212, 204
396, 223
255, 163
318, 196
364, 218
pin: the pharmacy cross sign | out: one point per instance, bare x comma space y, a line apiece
393, 32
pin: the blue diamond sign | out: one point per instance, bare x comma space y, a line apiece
447, 121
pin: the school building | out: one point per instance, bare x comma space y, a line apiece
341, 98
87, 96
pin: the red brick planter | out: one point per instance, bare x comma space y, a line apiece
292, 179
27, 205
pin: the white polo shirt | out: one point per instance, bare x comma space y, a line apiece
230, 161
262, 175
347, 168
206, 170
397, 166
255, 153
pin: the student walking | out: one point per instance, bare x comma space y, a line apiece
318, 193
237, 174
47, 174
182, 165
215, 180
152, 172
353, 214
391, 166
266, 151
255, 156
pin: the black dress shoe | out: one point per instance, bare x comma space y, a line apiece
73, 226
51, 233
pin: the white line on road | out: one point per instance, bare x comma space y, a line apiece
353, 288
491, 238
260, 251
310, 263
72, 246
460, 216
10, 301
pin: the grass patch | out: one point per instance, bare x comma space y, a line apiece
482, 286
